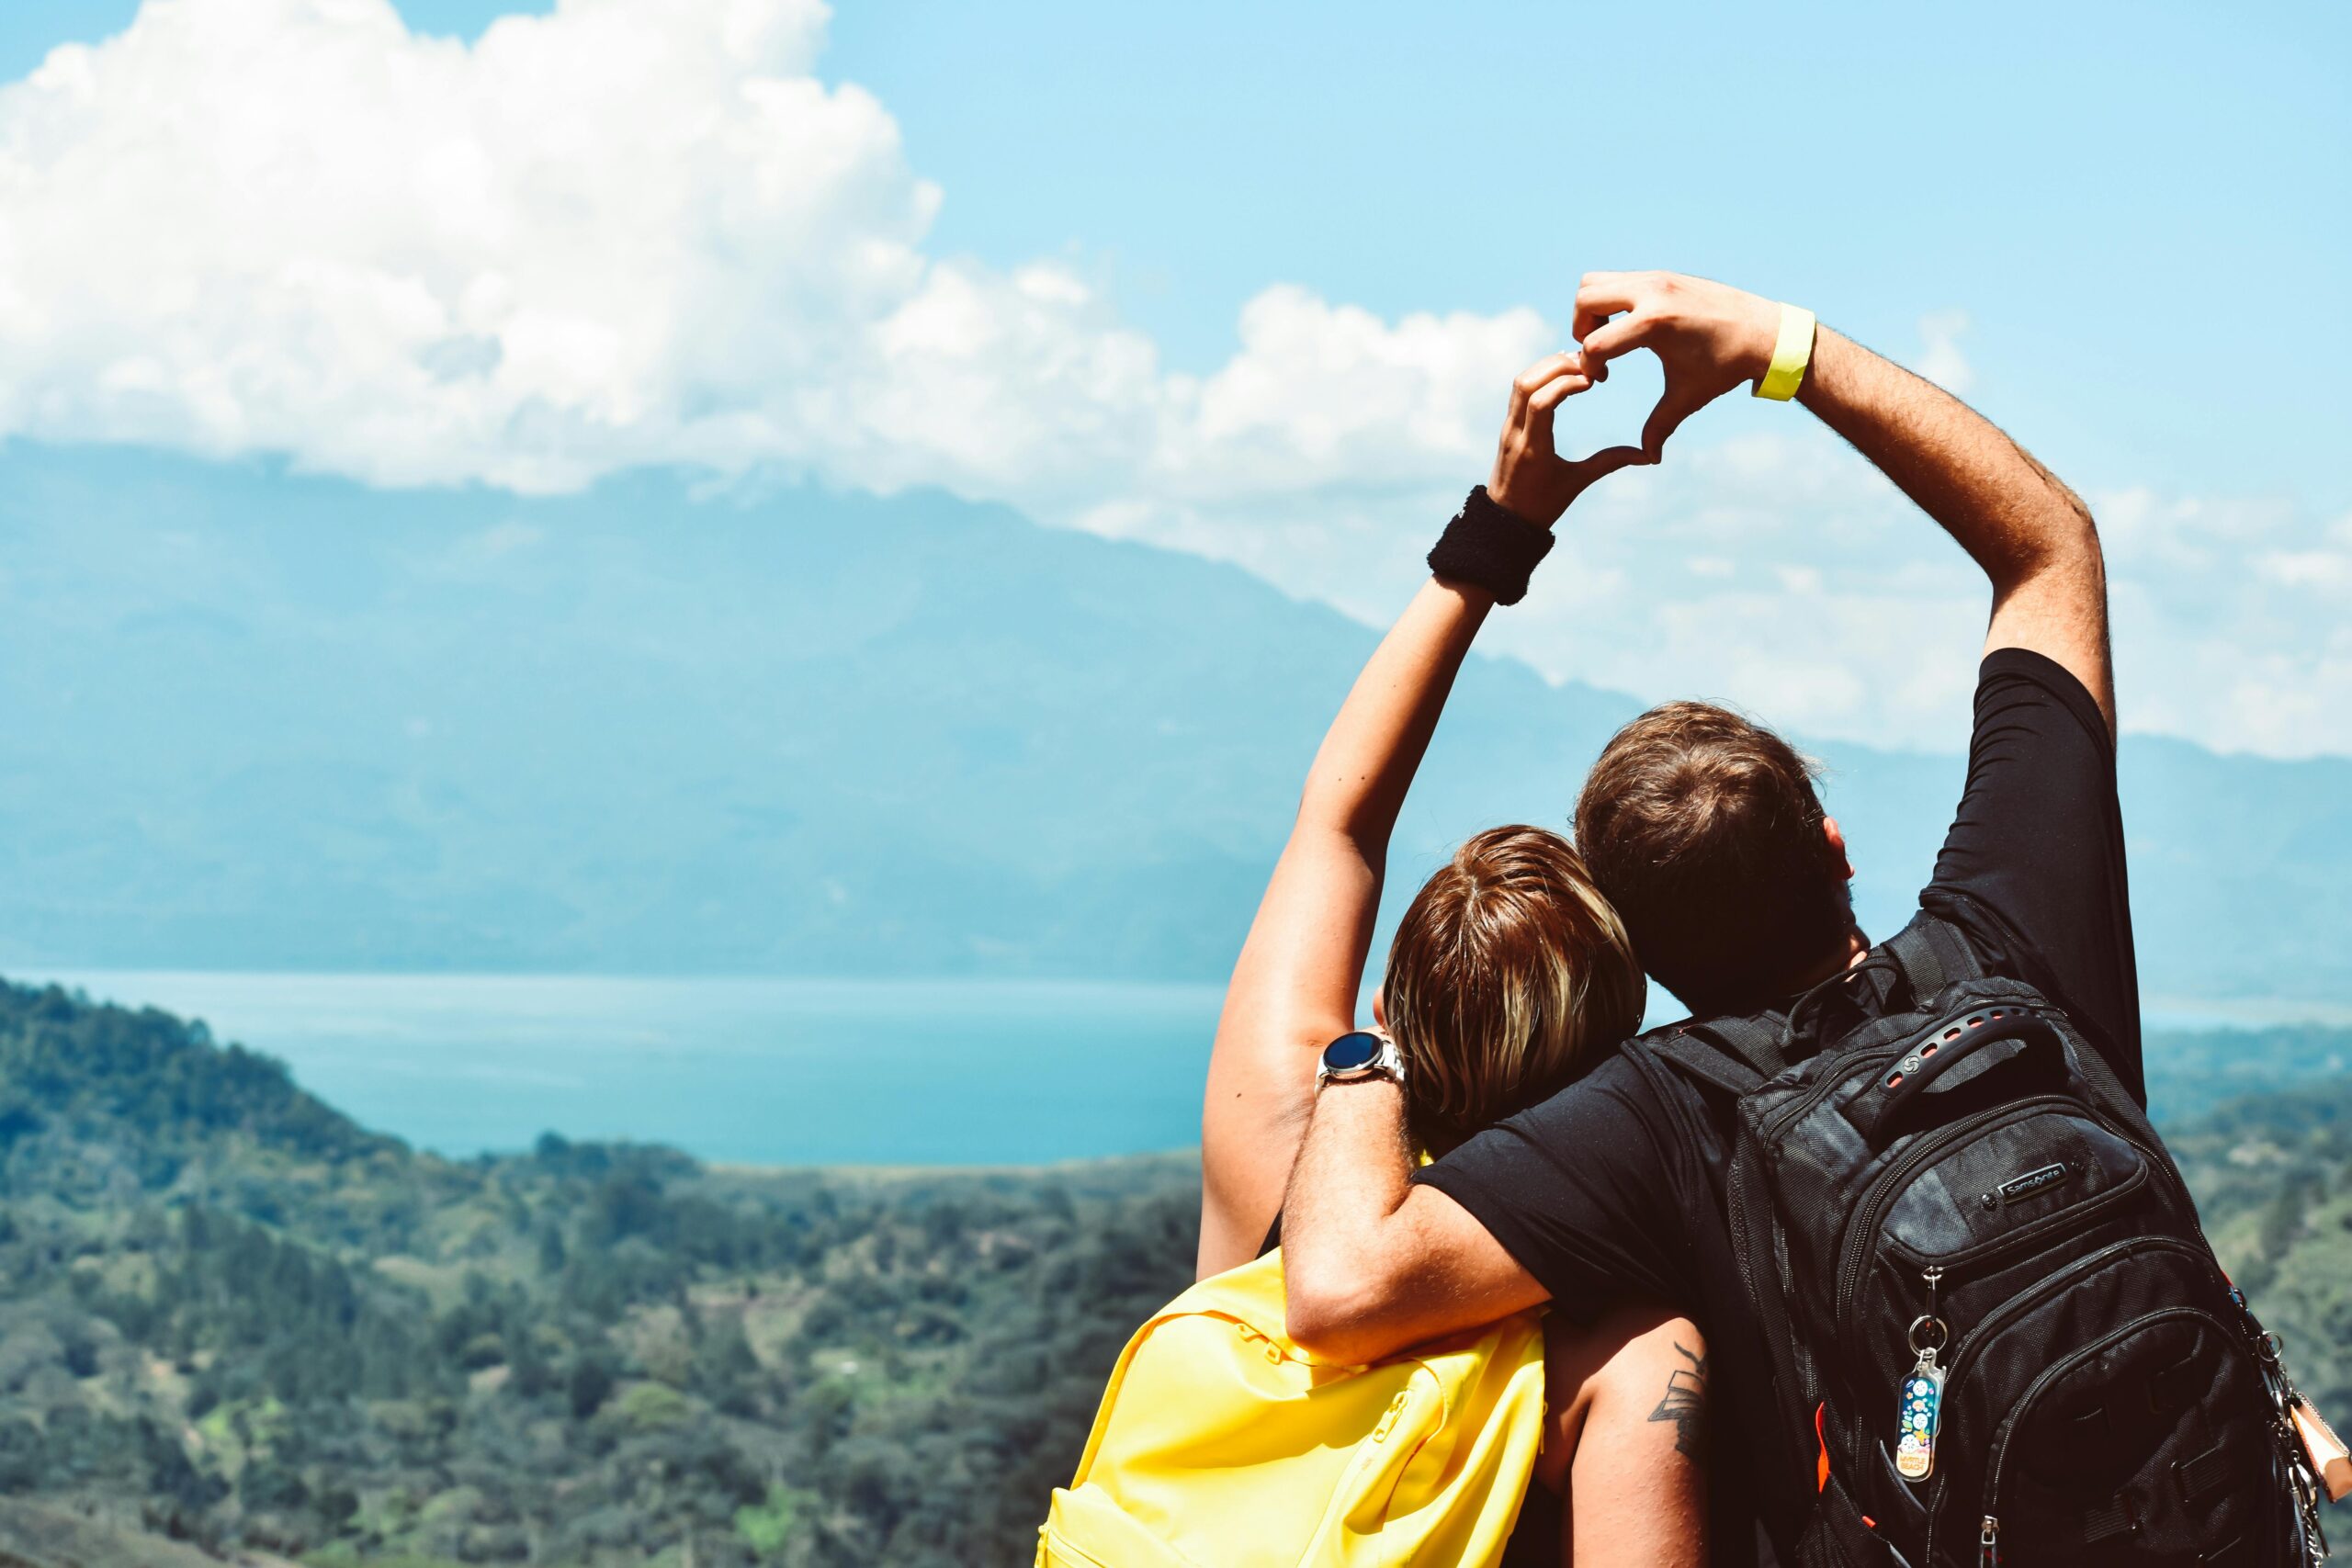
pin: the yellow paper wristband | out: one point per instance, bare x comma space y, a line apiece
1790, 354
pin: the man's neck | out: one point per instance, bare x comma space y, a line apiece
1850, 952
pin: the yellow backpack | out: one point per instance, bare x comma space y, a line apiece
1220, 1444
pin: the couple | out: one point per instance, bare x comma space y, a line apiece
1565, 1169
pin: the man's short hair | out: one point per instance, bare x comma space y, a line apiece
1704, 829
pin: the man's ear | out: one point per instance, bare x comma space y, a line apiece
1836, 840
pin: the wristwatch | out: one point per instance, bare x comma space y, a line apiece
1360, 1053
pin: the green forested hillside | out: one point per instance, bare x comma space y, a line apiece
230, 1316
2273, 1177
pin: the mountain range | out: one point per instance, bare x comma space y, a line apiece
259, 720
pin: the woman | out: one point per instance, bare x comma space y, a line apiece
1508, 973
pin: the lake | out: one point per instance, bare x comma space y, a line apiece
767, 1071
752, 1071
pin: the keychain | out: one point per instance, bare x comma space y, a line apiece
1919, 1405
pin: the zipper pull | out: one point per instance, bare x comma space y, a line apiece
1989, 1544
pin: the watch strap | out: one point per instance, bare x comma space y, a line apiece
1387, 1062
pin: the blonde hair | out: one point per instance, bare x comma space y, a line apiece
1508, 969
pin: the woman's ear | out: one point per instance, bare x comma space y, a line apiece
1380, 1010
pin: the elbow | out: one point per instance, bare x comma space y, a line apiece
2064, 550
2082, 546
1332, 1320
1341, 817
2074, 533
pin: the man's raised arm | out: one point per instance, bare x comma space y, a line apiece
2032, 536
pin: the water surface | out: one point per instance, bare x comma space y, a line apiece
758, 1071
782, 1072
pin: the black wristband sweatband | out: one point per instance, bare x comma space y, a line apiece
1489, 547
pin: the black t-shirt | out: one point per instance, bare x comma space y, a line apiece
1611, 1190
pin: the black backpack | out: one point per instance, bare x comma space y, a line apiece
1995, 1332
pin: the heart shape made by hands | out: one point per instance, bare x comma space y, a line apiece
1593, 420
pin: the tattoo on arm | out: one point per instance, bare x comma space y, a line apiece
1685, 1405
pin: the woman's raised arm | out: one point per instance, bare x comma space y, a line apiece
1294, 985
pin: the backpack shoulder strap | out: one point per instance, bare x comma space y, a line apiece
1932, 955
1755, 1043
1717, 1055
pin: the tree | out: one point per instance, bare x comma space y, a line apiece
590, 1385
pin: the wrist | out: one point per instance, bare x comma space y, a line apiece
1489, 547
1367, 1081
1521, 507
1757, 334
1821, 373
1360, 1056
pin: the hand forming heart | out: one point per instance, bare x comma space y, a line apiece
1709, 337
1531, 479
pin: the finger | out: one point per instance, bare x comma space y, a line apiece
1558, 391
1586, 472
1587, 323
1543, 401
1605, 342
1609, 292
1601, 295
1539, 375
1680, 401
1608, 459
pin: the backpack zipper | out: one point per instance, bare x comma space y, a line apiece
1974, 1340
1996, 1252
1854, 1253
2024, 1300
1989, 1541
1835, 1072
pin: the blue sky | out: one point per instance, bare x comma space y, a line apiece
2124, 231
2108, 190
2090, 183
2145, 209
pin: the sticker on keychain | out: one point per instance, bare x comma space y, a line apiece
1922, 1408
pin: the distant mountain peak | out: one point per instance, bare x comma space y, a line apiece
263, 721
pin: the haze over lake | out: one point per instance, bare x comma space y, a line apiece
767, 1071
755, 1071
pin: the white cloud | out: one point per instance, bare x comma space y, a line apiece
1941, 361
631, 231
2229, 621
2327, 571
1809, 591
1323, 396
647, 232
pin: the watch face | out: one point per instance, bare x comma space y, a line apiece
1350, 1053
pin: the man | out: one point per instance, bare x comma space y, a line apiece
1705, 831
